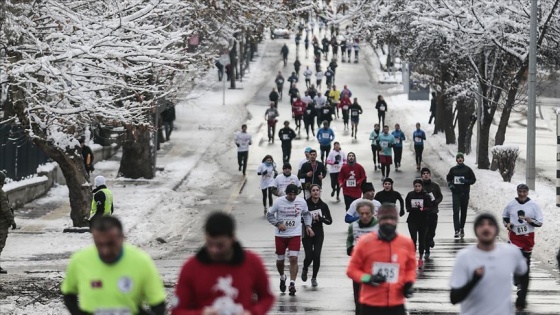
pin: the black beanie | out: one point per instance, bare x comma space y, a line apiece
485, 216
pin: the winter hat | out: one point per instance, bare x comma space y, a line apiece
99, 181
286, 166
2, 178
459, 155
485, 216
418, 181
387, 212
522, 187
388, 180
367, 187
425, 169
308, 149
291, 189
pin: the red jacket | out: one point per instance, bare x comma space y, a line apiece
370, 250
344, 102
298, 108
359, 175
202, 282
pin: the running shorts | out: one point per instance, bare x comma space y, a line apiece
385, 159
355, 120
524, 242
293, 244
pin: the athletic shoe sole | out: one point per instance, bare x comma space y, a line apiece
292, 290
282, 286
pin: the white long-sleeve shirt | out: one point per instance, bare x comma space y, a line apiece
282, 181
289, 213
308, 74
334, 156
267, 178
319, 75
243, 139
531, 210
352, 211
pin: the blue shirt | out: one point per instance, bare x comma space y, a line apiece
325, 137
418, 137
386, 142
399, 138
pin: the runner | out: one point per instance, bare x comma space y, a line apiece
521, 216
112, 277
319, 75
325, 136
355, 111
434, 191
320, 103
385, 264
309, 119
345, 104
293, 79
284, 52
313, 246
6, 217
418, 136
386, 142
368, 191
350, 178
366, 224
459, 180
286, 136
282, 181
102, 202
312, 172
270, 116
374, 137
418, 205
334, 95
223, 277
293, 92
274, 97
329, 76
297, 64
243, 141
335, 160
306, 159
356, 46
398, 147
482, 273
381, 107
298, 109
267, 171
286, 215
279, 80
388, 195
307, 74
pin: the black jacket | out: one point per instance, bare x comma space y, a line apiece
168, 115
431, 187
460, 171
415, 213
378, 104
284, 50
433, 106
314, 179
293, 92
390, 196
297, 65
317, 226
286, 135
310, 112
273, 96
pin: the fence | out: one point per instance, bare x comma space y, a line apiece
19, 158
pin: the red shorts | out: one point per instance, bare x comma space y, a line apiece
524, 242
385, 159
293, 244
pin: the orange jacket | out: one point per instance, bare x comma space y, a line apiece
370, 250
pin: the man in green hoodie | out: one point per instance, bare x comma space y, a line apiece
459, 180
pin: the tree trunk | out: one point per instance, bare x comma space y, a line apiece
465, 109
449, 129
502, 126
510, 103
439, 124
233, 64
138, 152
72, 166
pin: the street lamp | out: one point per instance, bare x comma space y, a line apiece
532, 100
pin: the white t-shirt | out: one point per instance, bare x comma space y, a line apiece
320, 101
531, 210
307, 73
301, 163
268, 178
282, 181
307, 99
492, 294
290, 214
352, 209
335, 168
319, 75
244, 141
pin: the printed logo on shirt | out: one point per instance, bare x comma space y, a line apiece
125, 284
97, 284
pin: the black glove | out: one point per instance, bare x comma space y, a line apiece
377, 280
14, 226
408, 290
265, 172
402, 212
349, 250
237, 144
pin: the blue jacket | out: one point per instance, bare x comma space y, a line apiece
399, 138
325, 137
418, 137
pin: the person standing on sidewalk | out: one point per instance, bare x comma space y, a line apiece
87, 155
459, 180
286, 136
482, 273
434, 191
287, 214
433, 108
418, 136
364, 225
267, 172
521, 216
168, 117
325, 136
385, 141
368, 192
418, 205
355, 111
384, 263
6, 217
313, 246
282, 181
223, 277
243, 140
335, 161
312, 172
381, 107
398, 147
388, 195
102, 202
270, 116
351, 177
374, 137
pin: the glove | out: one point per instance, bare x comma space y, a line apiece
349, 250
237, 144
402, 212
451, 186
374, 280
462, 180
265, 172
275, 174
408, 291
14, 226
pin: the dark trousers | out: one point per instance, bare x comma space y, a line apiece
381, 117
345, 116
460, 205
334, 184
309, 124
298, 123
375, 151
348, 200
242, 158
168, 126
267, 192
432, 225
325, 150
313, 247
523, 280
398, 156
432, 116
418, 231
356, 286
418, 149
375, 310
271, 130
286, 150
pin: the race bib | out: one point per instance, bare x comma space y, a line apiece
417, 203
121, 311
384, 144
389, 270
417, 139
457, 180
521, 229
345, 107
308, 112
316, 214
335, 168
354, 113
285, 137
290, 224
382, 108
397, 140
350, 183
326, 111
280, 81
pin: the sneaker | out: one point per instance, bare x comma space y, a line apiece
520, 305
456, 234
292, 289
420, 263
376, 167
462, 233
379, 166
332, 194
314, 282
427, 254
240, 167
265, 210
283, 283
337, 198
352, 134
3, 271
418, 166
304, 274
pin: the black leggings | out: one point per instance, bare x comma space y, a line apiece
375, 151
418, 230
265, 192
398, 155
325, 150
334, 183
309, 124
313, 247
298, 123
356, 286
376, 310
418, 149
381, 117
345, 116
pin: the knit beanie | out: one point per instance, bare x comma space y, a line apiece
99, 181
459, 155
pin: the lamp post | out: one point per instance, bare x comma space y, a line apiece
532, 99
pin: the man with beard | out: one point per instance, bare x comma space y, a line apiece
350, 179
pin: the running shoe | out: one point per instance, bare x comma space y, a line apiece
304, 274
332, 194
3, 271
314, 282
462, 233
427, 253
456, 234
420, 263
292, 289
283, 283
